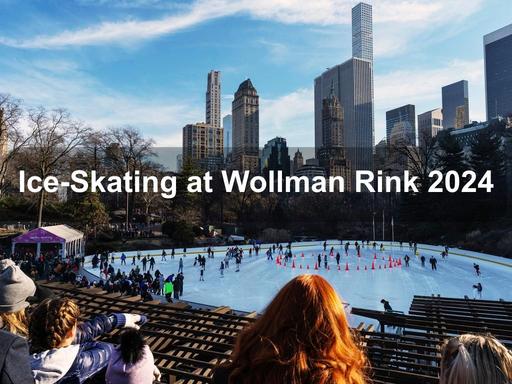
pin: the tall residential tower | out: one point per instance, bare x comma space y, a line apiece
362, 32
213, 99
455, 105
246, 127
498, 72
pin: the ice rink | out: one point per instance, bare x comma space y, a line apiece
259, 279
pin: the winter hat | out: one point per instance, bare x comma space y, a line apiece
15, 287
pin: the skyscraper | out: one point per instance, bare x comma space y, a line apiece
401, 125
275, 157
429, 125
352, 82
332, 121
298, 162
245, 111
203, 144
498, 72
362, 32
213, 99
227, 122
353, 86
455, 105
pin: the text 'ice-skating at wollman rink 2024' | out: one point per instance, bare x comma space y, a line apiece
362, 281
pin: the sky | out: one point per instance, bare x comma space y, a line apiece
145, 62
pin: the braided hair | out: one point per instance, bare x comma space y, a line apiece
51, 322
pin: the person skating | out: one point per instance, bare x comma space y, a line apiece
221, 269
152, 263
123, 259
138, 255
133, 260
180, 265
168, 291
407, 259
422, 258
325, 245
325, 261
319, 258
433, 263
338, 258
347, 244
477, 269
164, 255
477, 291
201, 275
144, 263
173, 252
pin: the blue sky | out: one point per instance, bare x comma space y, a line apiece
144, 62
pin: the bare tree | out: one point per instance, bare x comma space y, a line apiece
127, 150
55, 137
420, 160
12, 136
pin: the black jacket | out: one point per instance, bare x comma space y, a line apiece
14, 360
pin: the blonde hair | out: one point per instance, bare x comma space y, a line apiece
475, 359
14, 322
50, 323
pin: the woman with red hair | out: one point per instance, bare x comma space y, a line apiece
302, 338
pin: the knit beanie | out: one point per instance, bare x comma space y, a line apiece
15, 287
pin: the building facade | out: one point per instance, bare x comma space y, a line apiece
429, 125
275, 157
352, 82
203, 144
227, 124
401, 125
298, 162
332, 121
498, 72
362, 32
455, 105
245, 111
213, 107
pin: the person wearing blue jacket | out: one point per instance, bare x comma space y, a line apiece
64, 351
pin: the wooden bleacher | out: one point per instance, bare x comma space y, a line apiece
416, 345
188, 343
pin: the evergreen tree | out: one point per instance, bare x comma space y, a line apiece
451, 154
487, 154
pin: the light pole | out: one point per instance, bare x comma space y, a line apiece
383, 224
373, 226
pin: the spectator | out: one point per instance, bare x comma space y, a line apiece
15, 288
14, 363
474, 359
132, 361
303, 337
64, 351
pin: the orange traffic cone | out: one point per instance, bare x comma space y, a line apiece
346, 267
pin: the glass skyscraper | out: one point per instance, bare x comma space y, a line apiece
362, 32
401, 125
455, 105
498, 72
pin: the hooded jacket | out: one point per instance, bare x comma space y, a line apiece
82, 359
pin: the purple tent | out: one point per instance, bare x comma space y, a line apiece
71, 240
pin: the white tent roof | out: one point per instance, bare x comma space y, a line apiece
65, 232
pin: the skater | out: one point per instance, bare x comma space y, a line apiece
133, 260
138, 255
113, 259
422, 258
433, 263
269, 254
319, 261
152, 263
347, 244
477, 291
407, 259
144, 262
477, 269
173, 252
238, 260
325, 245
164, 254
443, 254
381, 247
123, 259
221, 269
168, 291
201, 275
180, 266
338, 258
325, 261
387, 306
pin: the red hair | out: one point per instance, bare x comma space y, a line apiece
303, 337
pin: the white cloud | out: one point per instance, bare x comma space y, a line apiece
290, 116
60, 84
397, 23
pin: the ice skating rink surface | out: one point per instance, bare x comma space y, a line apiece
259, 279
